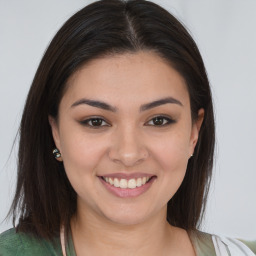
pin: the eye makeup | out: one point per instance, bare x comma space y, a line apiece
97, 122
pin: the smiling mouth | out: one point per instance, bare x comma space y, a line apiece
127, 183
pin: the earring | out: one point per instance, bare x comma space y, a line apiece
56, 153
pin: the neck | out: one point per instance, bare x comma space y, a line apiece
92, 233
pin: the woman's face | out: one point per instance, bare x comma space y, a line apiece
125, 135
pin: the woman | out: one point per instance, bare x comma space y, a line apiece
116, 141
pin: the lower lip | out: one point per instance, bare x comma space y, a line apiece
128, 192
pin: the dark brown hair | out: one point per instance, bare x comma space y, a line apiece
44, 196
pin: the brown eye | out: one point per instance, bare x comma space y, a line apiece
160, 121
94, 122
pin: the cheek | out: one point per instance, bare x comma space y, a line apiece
81, 157
172, 158
173, 151
173, 163
81, 153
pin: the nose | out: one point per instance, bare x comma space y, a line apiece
128, 148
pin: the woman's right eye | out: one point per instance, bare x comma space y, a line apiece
94, 122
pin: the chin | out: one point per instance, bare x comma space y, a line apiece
126, 220
128, 216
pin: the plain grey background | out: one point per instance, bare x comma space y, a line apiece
225, 31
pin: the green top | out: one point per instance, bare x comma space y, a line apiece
16, 244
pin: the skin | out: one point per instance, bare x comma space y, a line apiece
128, 141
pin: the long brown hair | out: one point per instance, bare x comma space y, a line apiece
44, 196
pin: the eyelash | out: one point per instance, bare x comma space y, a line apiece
167, 121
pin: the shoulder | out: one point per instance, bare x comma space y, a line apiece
19, 243
250, 244
10, 243
202, 243
209, 244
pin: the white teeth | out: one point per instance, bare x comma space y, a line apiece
124, 183
111, 181
139, 182
132, 183
116, 183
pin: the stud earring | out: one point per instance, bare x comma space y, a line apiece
56, 153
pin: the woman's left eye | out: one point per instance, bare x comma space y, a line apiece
160, 121
95, 122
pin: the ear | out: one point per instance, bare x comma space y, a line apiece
55, 134
196, 126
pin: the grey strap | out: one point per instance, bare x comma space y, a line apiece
219, 246
230, 247
62, 241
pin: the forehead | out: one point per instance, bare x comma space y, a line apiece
127, 78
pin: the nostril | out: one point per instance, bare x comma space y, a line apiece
128, 155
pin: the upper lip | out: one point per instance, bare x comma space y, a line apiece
127, 175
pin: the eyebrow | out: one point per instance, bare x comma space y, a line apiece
144, 107
160, 102
94, 103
